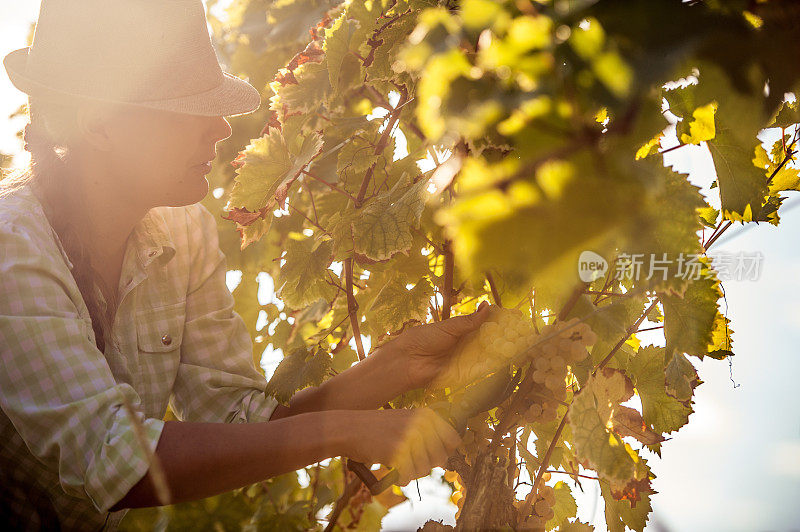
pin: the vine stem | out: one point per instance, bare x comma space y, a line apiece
351, 488
545, 460
662, 152
550, 448
312, 222
328, 184
716, 234
447, 289
383, 141
352, 308
571, 474
632, 329
493, 287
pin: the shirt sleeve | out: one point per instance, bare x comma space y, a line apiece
57, 388
217, 379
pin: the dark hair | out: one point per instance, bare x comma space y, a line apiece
46, 137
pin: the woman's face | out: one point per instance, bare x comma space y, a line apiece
160, 157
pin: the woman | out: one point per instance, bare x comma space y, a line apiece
113, 301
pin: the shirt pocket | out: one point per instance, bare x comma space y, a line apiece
160, 330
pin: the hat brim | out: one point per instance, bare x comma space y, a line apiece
232, 97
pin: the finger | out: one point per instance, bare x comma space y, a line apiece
447, 434
461, 325
419, 455
437, 452
403, 464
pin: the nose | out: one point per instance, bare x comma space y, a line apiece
220, 128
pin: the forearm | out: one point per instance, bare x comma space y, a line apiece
204, 459
367, 385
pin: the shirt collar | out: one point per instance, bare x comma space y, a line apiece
152, 239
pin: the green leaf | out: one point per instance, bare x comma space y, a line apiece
709, 216
742, 187
382, 228
660, 411
311, 90
664, 229
343, 359
343, 67
689, 320
701, 128
595, 445
296, 371
621, 513
721, 345
270, 164
367, 521
787, 116
575, 526
395, 305
565, 506
588, 39
514, 231
302, 279
681, 378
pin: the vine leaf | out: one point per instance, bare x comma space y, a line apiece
311, 87
269, 166
343, 67
383, 227
660, 411
701, 128
301, 280
575, 526
681, 377
689, 321
565, 506
596, 445
620, 514
302, 368
721, 345
627, 421
395, 305
787, 116
742, 187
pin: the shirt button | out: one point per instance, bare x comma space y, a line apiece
166, 339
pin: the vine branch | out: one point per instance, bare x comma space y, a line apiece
352, 307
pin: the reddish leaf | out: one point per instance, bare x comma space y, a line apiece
313, 53
632, 491
244, 217
286, 78
629, 422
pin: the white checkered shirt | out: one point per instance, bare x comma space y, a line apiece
67, 447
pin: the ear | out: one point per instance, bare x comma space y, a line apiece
93, 126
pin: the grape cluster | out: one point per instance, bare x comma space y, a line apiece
542, 508
504, 334
535, 518
550, 360
475, 438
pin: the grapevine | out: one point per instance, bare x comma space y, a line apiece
414, 158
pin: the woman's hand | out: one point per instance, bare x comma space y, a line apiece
412, 441
427, 349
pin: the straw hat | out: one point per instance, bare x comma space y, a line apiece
151, 53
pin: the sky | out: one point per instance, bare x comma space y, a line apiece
736, 465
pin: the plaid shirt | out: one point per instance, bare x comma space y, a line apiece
69, 451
